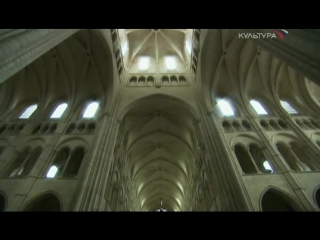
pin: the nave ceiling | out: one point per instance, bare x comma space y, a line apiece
160, 145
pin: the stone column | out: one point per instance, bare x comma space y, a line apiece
232, 188
247, 149
299, 49
91, 193
20, 47
91, 196
109, 187
232, 194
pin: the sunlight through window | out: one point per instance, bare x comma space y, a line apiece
225, 108
258, 108
171, 63
144, 63
59, 110
91, 110
124, 48
188, 47
267, 166
52, 172
161, 210
288, 107
28, 112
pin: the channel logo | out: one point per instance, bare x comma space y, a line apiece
281, 33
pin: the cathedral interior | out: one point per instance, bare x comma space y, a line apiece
159, 120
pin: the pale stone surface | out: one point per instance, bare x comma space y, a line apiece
159, 140
20, 47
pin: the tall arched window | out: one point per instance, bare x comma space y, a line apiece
74, 163
260, 159
258, 107
288, 107
23, 163
124, 48
59, 163
244, 160
28, 111
31, 161
287, 156
52, 171
59, 110
91, 110
267, 166
305, 160
225, 108
67, 163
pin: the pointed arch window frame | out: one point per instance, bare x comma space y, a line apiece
58, 109
227, 104
28, 111
52, 169
262, 107
85, 109
287, 106
268, 166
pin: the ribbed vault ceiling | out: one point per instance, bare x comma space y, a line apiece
76, 70
159, 151
159, 132
156, 44
239, 69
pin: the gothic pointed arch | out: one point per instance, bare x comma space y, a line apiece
45, 202
160, 97
159, 130
274, 199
